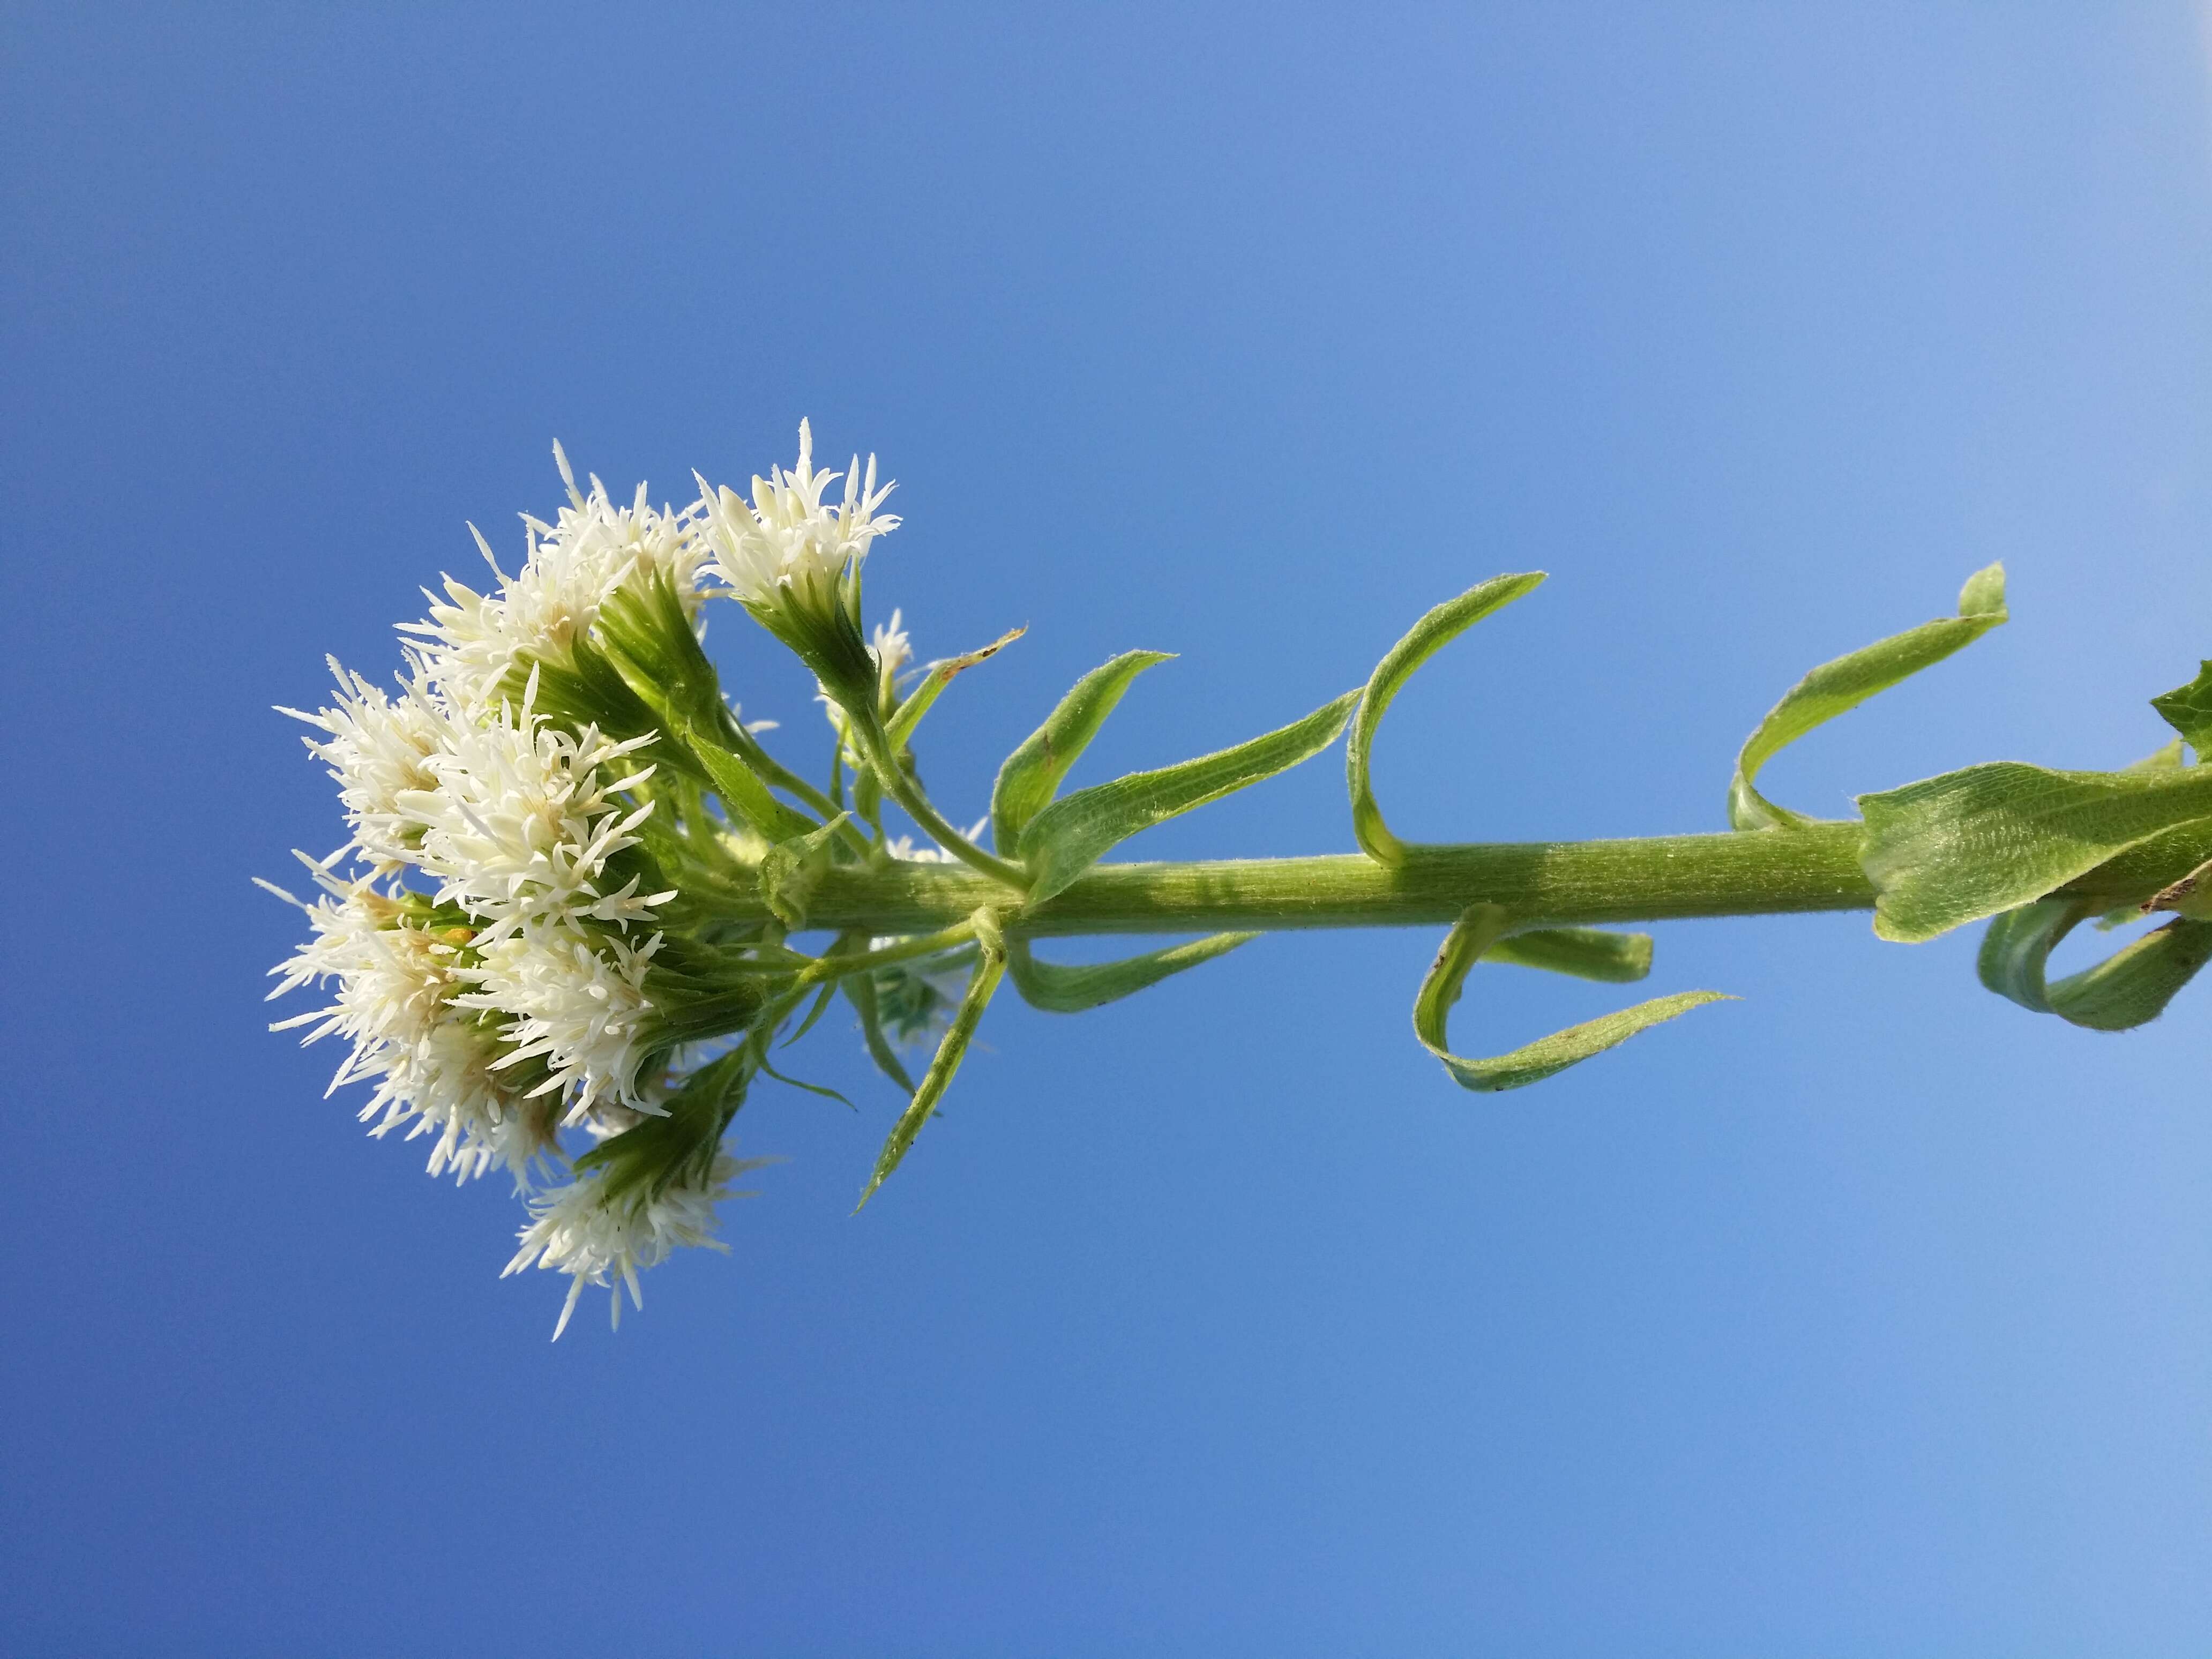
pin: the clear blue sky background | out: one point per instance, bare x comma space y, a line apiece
1868, 1314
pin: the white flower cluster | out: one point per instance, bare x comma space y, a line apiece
785, 537
575, 565
490, 940
579, 1231
397, 1003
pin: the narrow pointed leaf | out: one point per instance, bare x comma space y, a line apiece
1064, 990
982, 982
1066, 838
1585, 952
821, 1005
861, 989
2188, 710
934, 679
821, 1088
1442, 625
1836, 688
742, 790
1476, 934
2130, 987
1952, 849
1031, 776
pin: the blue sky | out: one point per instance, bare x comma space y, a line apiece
1868, 1314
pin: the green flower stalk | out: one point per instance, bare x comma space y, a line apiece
562, 936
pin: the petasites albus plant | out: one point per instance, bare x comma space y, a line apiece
560, 937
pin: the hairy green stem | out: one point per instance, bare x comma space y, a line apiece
999, 873
1556, 884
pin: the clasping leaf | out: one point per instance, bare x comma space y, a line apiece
1836, 688
2130, 987
1031, 776
1952, 849
1064, 990
1479, 932
1066, 837
1442, 625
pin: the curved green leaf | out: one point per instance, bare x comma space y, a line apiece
982, 982
861, 990
1442, 625
2130, 987
1585, 952
934, 679
1952, 849
1836, 688
1066, 837
1031, 775
1064, 990
1476, 932
742, 790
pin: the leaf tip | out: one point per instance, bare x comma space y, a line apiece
1983, 595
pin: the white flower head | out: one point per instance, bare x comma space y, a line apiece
786, 537
522, 818
596, 1240
578, 1008
436, 1066
379, 748
472, 642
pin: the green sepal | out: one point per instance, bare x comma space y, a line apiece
588, 688
818, 616
679, 1142
1443, 625
982, 983
938, 675
1031, 775
1476, 932
1952, 849
2130, 987
2188, 710
647, 635
1067, 837
742, 790
1585, 952
790, 869
1836, 688
1058, 989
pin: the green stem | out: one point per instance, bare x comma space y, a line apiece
1002, 873
837, 964
1543, 884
